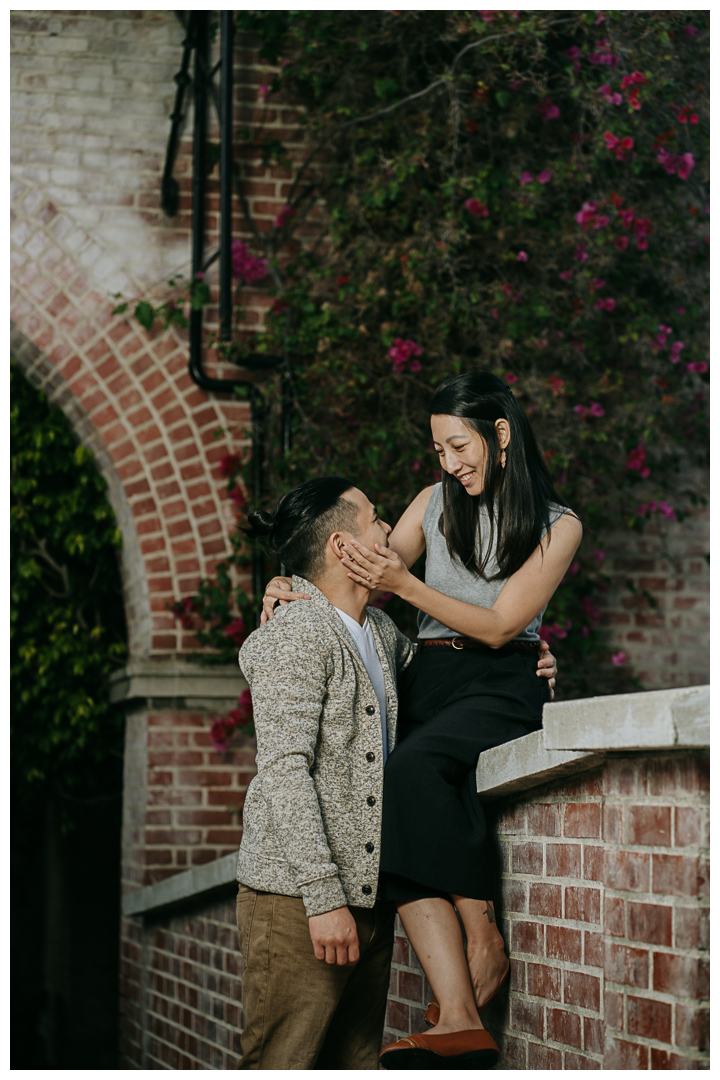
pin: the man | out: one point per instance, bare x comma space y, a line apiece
316, 942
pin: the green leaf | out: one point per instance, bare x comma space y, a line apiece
145, 314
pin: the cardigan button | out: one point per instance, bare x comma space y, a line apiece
371, 800
367, 889
370, 756
369, 848
370, 710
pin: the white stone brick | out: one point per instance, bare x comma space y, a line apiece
88, 84
37, 173
84, 103
21, 99
68, 159
61, 44
32, 62
60, 82
39, 157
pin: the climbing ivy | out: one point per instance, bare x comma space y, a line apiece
67, 624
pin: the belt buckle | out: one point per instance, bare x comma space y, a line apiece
459, 648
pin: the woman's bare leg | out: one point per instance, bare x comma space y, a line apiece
486, 957
434, 932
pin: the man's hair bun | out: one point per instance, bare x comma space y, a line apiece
261, 524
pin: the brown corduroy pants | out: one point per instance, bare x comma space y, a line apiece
300, 1012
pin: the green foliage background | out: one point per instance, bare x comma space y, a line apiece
451, 153
67, 623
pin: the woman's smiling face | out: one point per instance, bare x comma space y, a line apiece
462, 451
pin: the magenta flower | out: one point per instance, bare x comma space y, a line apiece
599, 556
245, 265
619, 658
556, 384
565, 275
580, 252
667, 510
487, 16
526, 178
476, 208
402, 353
586, 214
698, 366
683, 164
580, 410
636, 461
675, 350
574, 54
229, 464
510, 378
415, 466
236, 631
610, 97
680, 310
544, 177
494, 314
522, 256
596, 283
515, 84
605, 305
596, 409
263, 91
285, 214
691, 31
621, 243
547, 110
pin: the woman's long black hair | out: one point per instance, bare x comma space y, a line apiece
524, 488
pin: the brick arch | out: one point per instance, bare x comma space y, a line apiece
130, 399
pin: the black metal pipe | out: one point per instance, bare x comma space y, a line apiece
169, 190
226, 178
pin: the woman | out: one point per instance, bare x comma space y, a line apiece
493, 563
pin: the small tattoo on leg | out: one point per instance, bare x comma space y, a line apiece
490, 913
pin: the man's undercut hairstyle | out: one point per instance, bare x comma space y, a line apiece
303, 520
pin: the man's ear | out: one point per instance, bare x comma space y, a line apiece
335, 542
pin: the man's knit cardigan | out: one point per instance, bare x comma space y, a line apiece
311, 821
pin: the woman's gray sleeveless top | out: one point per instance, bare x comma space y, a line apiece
449, 576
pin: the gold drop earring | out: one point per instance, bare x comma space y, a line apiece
503, 459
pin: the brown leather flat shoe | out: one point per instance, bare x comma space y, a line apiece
432, 1014
474, 1049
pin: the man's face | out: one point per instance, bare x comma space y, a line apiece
370, 529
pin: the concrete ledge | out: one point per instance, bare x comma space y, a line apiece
578, 735
657, 720
525, 763
199, 687
188, 885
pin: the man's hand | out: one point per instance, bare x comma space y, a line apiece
547, 666
278, 591
334, 937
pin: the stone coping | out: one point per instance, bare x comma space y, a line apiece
575, 736
194, 684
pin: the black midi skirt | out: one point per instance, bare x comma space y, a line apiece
453, 705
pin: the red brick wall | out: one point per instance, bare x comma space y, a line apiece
606, 905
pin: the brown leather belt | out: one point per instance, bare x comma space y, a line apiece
460, 643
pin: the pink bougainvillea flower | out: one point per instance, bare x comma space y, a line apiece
675, 350
698, 366
544, 177
680, 310
612, 98
556, 385
516, 84
547, 110
580, 253
285, 214
401, 353
601, 221
581, 410
596, 409
510, 378
646, 508
587, 214
263, 91
494, 314
487, 16
522, 256
245, 265
627, 217
619, 658
415, 466
476, 208
636, 460
599, 556
605, 305
600, 18
238, 497
667, 510
526, 178
229, 464
574, 54
183, 610
236, 631
278, 306
506, 288
621, 243
691, 31
683, 164
565, 275
343, 279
